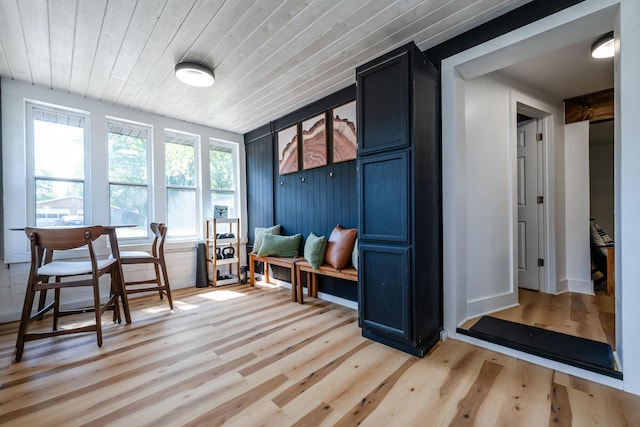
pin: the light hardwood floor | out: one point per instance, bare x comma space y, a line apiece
581, 315
249, 356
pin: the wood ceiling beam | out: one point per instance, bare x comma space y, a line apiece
595, 107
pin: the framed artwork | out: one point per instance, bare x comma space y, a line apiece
344, 133
288, 150
314, 142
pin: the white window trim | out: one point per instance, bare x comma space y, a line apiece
197, 179
30, 107
213, 143
150, 174
15, 94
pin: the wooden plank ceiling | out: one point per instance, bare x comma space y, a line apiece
270, 56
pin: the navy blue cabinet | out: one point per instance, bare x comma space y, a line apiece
387, 201
383, 124
386, 295
400, 201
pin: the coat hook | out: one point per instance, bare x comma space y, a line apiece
331, 174
281, 182
302, 179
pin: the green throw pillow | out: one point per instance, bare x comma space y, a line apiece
314, 249
354, 255
284, 246
259, 235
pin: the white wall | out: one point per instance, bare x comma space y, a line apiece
576, 174
180, 254
490, 104
489, 201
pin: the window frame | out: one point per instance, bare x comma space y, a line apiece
196, 188
150, 174
31, 179
234, 148
15, 97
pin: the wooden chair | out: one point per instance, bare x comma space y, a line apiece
44, 242
160, 284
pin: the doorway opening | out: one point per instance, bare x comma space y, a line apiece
583, 321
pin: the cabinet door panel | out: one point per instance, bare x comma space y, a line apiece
384, 204
384, 290
383, 102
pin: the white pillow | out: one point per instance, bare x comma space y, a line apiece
596, 238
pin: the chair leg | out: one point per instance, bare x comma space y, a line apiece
42, 301
167, 288
56, 308
158, 281
24, 319
97, 310
115, 293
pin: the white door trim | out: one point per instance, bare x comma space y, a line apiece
545, 114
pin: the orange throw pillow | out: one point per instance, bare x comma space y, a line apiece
340, 246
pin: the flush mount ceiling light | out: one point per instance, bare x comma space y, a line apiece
603, 47
194, 74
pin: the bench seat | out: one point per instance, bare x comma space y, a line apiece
289, 263
348, 273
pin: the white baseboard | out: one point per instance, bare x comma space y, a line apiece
491, 304
578, 286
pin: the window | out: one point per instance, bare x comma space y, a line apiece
58, 165
128, 176
222, 180
180, 172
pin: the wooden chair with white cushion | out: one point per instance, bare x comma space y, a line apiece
66, 273
160, 283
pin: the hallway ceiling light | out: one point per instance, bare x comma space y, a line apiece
194, 74
603, 47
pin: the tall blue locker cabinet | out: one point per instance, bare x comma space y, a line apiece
399, 178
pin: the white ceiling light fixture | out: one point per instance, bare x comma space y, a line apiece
194, 74
604, 47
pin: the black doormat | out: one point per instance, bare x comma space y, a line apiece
580, 352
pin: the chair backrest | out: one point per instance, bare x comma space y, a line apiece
160, 232
46, 240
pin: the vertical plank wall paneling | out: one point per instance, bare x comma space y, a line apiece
259, 157
316, 204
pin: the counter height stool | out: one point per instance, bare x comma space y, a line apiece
156, 257
44, 242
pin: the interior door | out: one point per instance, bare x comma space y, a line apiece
527, 199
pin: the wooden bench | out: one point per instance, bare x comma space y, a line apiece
348, 273
289, 263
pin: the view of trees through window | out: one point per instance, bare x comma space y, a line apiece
128, 178
58, 159
221, 181
60, 162
180, 175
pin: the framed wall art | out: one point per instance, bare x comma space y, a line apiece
314, 142
288, 150
344, 132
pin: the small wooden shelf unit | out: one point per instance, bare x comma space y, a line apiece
214, 227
